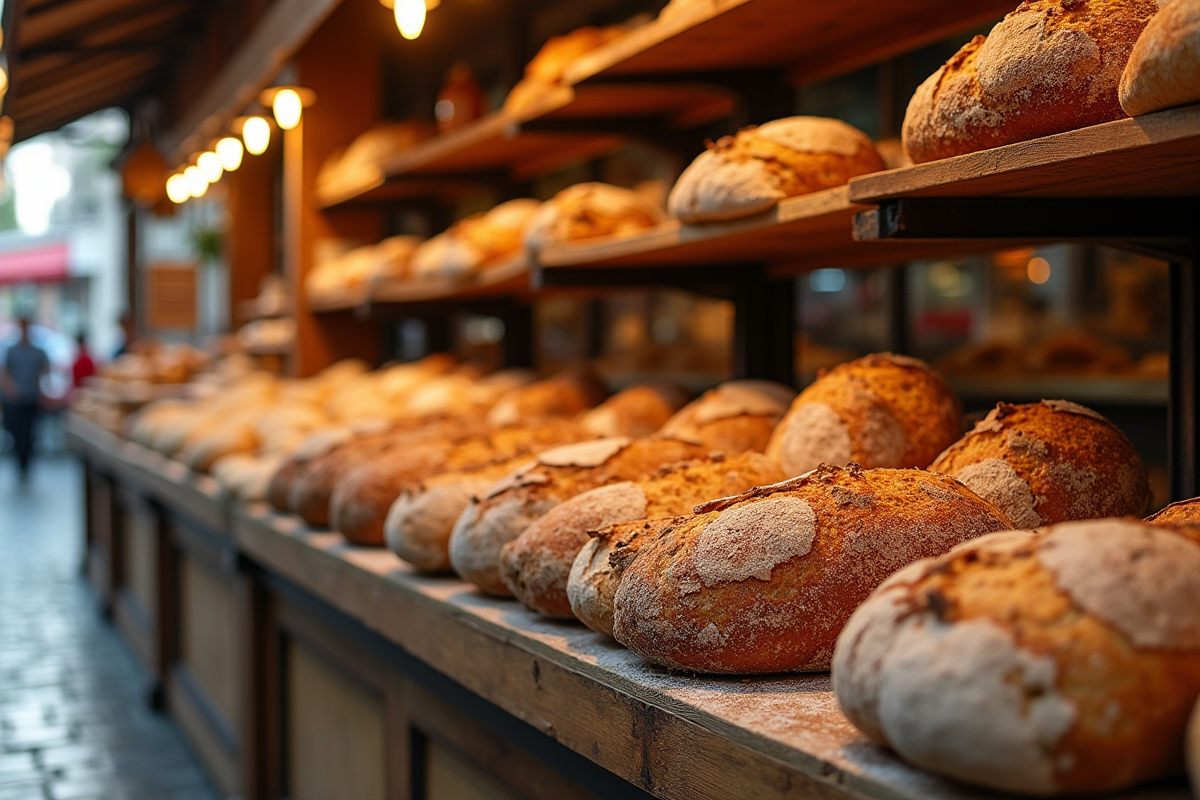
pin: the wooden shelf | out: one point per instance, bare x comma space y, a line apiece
504, 279
1106, 390
1157, 155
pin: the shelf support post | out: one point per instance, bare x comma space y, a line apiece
1183, 432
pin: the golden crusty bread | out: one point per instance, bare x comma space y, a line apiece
558, 396
545, 70
555, 475
1162, 69
750, 172
636, 411
1052, 662
764, 582
535, 566
1182, 512
1049, 66
1049, 462
736, 417
588, 210
882, 410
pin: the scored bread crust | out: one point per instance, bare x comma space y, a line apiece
735, 417
1061, 661
751, 171
1048, 462
1162, 69
555, 475
882, 410
764, 582
1181, 512
535, 566
1049, 66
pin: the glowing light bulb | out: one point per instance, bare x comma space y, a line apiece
1038, 270
256, 133
196, 182
3, 80
229, 150
178, 190
287, 108
210, 166
410, 17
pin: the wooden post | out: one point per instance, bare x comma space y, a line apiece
250, 245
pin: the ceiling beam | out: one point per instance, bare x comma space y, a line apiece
55, 118
82, 72
64, 21
127, 69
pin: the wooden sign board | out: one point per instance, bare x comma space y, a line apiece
171, 297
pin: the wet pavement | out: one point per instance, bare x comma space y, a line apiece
73, 718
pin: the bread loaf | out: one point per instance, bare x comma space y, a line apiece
545, 70
764, 582
735, 417
559, 396
1164, 68
883, 410
636, 411
750, 172
320, 443
588, 210
1049, 462
1184, 512
598, 567
536, 564
1050, 66
1061, 662
513, 503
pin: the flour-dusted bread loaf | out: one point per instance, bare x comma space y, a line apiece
588, 210
535, 566
1064, 661
598, 567
741, 175
1183, 512
559, 396
735, 417
1050, 66
1164, 67
637, 411
764, 582
523, 496
882, 410
1049, 462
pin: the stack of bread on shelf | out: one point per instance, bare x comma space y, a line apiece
339, 271
544, 72
360, 164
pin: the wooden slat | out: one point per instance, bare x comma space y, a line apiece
80, 73
1154, 155
28, 125
62, 21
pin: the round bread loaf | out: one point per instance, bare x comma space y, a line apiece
764, 582
312, 486
1049, 462
517, 500
536, 564
882, 410
560, 396
598, 567
735, 417
1050, 66
1164, 68
1064, 661
1183, 512
545, 70
636, 411
750, 172
588, 210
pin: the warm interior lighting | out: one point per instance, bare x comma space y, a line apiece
210, 166
3, 80
229, 151
287, 108
410, 17
256, 133
1038, 270
196, 182
177, 189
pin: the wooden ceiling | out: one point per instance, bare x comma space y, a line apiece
68, 58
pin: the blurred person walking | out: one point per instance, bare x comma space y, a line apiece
84, 366
21, 394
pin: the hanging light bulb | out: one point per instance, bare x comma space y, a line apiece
210, 166
229, 151
256, 133
410, 17
196, 182
177, 189
287, 108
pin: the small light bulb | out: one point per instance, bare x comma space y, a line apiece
410, 17
256, 133
210, 166
196, 182
229, 150
177, 188
287, 108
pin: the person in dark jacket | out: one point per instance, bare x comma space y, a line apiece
21, 393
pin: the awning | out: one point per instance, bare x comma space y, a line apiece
40, 264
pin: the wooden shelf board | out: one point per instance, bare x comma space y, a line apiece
342, 301
509, 277
810, 40
1152, 156
1089, 389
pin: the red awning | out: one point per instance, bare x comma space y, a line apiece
36, 264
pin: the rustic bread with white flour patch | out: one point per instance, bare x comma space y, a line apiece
764, 582
1164, 67
1049, 462
1063, 661
735, 417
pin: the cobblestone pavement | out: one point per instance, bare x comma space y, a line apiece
73, 721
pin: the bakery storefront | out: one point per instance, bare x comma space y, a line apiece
709, 399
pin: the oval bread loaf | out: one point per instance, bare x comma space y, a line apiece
536, 564
764, 582
1063, 661
750, 172
1164, 68
1049, 66
517, 500
1183, 512
588, 210
312, 486
1049, 462
882, 410
637, 411
560, 396
735, 417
